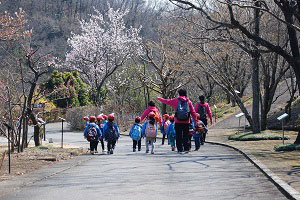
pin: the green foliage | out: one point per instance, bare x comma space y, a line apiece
287, 147
66, 89
254, 137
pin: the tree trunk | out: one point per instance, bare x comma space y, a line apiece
228, 98
264, 120
255, 88
243, 109
298, 138
297, 73
233, 104
293, 39
265, 107
31, 114
164, 109
255, 77
12, 141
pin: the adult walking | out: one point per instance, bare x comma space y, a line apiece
183, 109
204, 111
153, 109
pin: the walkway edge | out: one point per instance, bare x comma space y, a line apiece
286, 189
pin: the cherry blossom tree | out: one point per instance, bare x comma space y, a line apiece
104, 45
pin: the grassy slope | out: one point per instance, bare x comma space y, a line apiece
293, 124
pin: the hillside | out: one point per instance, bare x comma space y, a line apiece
53, 21
292, 124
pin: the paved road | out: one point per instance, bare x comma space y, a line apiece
214, 172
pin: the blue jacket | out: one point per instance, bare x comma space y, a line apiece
106, 127
171, 130
162, 130
92, 125
104, 122
135, 124
101, 127
144, 128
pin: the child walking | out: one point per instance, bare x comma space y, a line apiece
86, 120
172, 133
136, 134
200, 130
92, 133
191, 133
150, 132
111, 133
100, 124
104, 121
163, 128
203, 109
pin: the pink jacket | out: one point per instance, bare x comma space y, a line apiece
207, 109
148, 110
174, 102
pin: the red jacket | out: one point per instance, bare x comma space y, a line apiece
174, 102
148, 110
207, 109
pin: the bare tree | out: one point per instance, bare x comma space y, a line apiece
289, 10
169, 68
35, 66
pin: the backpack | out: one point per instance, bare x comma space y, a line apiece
202, 112
150, 130
199, 127
136, 132
166, 124
91, 134
111, 133
156, 116
182, 110
172, 132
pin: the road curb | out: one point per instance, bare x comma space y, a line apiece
286, 189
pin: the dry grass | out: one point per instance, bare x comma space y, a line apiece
32, 159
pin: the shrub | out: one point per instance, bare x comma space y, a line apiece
75, 116
255, 137
287, 147
66, 89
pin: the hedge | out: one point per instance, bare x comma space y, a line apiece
256, 137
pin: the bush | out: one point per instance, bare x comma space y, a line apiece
287, 147
67, 89
54, 115
257, 136
75, 116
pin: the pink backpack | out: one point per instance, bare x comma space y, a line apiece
150, 130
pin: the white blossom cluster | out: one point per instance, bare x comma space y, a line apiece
103, 45
119, 80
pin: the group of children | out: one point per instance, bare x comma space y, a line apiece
149, 130
101, 128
